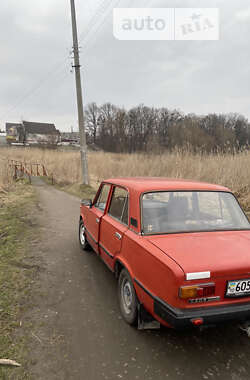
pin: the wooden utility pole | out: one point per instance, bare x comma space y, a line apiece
77, 66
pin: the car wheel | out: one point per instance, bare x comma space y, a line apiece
82, 237
127, 298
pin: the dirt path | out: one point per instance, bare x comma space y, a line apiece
79, 333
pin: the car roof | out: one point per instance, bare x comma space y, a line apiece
144, 184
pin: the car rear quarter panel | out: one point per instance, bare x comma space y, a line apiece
158, 273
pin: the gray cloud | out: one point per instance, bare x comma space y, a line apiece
193, 76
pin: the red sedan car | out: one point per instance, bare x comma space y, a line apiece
180, 249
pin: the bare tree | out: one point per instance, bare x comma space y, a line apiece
92, 114
144, 128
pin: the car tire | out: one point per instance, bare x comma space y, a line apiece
82, 237
127, 298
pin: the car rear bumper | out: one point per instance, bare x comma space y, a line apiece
179, 318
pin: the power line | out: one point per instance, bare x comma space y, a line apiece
95, 27
87, 38
92, 21
39, 84
34, 88
91, 27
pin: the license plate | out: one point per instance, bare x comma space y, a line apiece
238, 288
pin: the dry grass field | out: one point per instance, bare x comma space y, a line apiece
5, 175
231, 170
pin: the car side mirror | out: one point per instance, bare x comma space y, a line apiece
86, 202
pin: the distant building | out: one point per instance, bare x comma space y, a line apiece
41, 133
14, 133
70, 137
32, 133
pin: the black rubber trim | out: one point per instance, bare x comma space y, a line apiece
133, 222
96, 242
145, 290
182, 318
107, 252
155, 298
210, 315
91, 236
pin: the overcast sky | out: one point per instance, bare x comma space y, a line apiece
192, 76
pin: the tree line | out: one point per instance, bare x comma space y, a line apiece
140, 129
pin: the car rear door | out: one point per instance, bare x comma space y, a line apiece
114, 225
94, 216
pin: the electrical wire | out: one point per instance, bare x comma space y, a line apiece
40, 83
86, 41
56, 68
95, 27
93, 18
92, 27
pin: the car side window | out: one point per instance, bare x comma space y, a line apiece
103, 197
119, 205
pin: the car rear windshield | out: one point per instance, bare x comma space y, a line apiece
187, 211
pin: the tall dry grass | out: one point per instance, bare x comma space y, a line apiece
231, 170
6, 177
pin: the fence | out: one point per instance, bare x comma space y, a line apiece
29, 169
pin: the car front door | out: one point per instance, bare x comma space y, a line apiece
113, 226
94, 217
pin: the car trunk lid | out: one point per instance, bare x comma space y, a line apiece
223, 253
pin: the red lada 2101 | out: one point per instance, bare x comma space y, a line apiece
180, 249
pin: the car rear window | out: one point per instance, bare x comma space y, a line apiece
170, 212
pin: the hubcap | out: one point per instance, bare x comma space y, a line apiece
82, 235
127, 296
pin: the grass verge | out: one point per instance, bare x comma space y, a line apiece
81, 191
15, 276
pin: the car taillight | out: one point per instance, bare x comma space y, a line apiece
194, 291
206, 290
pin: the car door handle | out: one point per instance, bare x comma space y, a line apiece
119, 236
97, 220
